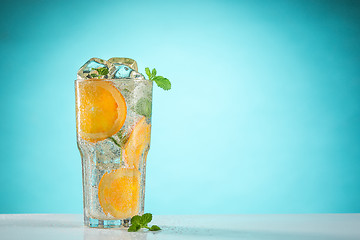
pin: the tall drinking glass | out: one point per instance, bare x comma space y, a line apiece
113, 122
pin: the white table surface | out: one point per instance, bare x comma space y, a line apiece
228, 227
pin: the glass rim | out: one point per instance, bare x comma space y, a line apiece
112, 79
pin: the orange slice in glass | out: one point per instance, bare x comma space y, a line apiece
101, 109
138, 144
119, 192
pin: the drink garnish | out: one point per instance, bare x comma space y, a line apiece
162, 82
100, 72
138, 222
102, 110
119, 192
143, 107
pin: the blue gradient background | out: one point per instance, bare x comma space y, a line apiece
263, 117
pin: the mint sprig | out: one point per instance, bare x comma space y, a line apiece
101, 72
138, 222
123, 138
143, 107
162, 82
155, 228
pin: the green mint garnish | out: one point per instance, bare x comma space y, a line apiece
155, 228
134, 228
114, 141
162, 82
146, 218
143, 107
138, 222
101, 72
147, 70
122, 139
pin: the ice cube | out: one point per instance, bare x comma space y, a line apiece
95, 63
124, 61
126, 68
107, 155
123, 71
136, 75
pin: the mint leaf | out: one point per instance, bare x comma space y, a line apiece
136, 220
146, 218
114, 141
147, 70
162, 82
134, 228
153, 73
143, 107
121, 140
102, 71
155, 228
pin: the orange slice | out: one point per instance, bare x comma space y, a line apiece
138, 144
101, 109
119, 192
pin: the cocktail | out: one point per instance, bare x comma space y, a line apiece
113, 116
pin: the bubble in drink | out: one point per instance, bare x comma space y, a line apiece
90, 67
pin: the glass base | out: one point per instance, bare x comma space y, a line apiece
97, 223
